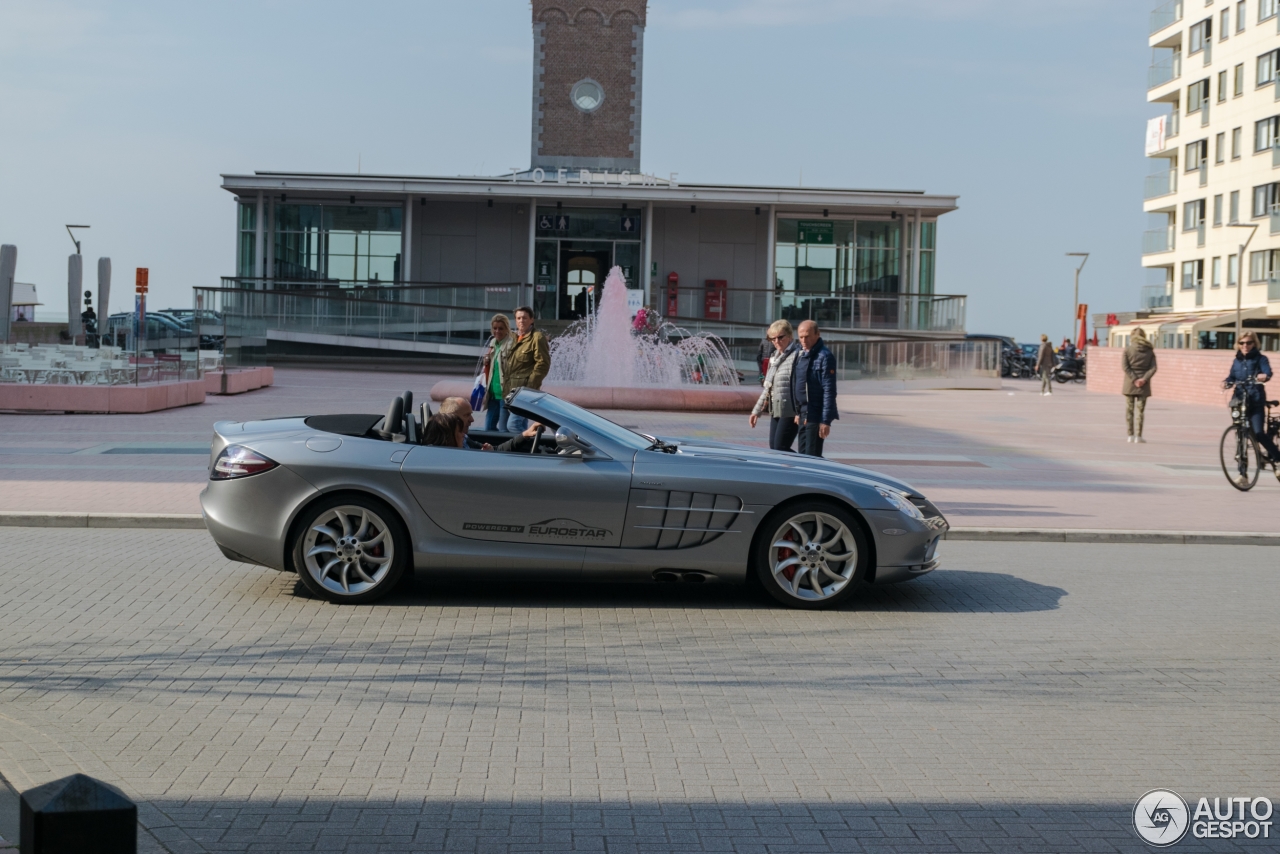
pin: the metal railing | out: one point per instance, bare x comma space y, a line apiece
910, 360
1157, 240
1164, 70
247, 319
1160, 184
1165, 14
923, 312
1156, 298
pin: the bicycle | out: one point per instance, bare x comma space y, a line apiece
1240, 444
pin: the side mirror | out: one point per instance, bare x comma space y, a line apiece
568, 443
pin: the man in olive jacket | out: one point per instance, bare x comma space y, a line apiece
525, 361
1139, 365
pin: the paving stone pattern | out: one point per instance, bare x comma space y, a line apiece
1020, 700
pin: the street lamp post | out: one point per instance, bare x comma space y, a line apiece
1240, 280
1075, 309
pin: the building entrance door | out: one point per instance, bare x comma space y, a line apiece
582, 273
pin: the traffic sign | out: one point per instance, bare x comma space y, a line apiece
140, 280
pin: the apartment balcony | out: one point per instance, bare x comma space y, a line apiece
1156, 298
1163, 71
1162, 184
1157, 241
1165, 15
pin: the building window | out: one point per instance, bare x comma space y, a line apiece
1219, 147
821, 264
1263, 198
1240, 17
1197, 95
1215, 280
1234, 215
248, 248
1217, 210
1262, 264
1267, 9
1265, 132
1233, 270
1222, 86
338, 243
1224, 24
1237, 134
1192, 215
1192, 274
1200, 33
1197, 153
1238, 86
1267, 67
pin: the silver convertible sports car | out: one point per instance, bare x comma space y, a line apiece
353, 502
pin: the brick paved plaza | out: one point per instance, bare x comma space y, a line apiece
1021, 699
1007, 458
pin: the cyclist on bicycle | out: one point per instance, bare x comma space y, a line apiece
1251, 364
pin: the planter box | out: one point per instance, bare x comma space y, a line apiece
20, 397
239, 381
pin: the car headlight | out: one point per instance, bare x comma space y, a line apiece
901, 503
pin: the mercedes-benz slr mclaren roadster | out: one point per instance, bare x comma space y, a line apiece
353, 502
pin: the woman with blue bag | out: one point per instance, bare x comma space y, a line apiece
488, 393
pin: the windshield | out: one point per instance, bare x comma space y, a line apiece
559, 410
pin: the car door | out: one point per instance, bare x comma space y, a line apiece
522, 498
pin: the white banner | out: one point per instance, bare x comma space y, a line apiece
1156, 129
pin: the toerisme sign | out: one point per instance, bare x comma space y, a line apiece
564, 175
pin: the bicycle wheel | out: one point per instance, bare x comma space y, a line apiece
1241, 462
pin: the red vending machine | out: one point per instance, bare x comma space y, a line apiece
716, 299
673, 295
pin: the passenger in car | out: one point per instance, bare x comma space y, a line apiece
444, 430
461, 409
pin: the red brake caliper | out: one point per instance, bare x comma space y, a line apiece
783, 554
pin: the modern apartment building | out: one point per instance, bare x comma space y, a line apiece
1214, 183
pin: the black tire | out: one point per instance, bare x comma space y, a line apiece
1241, 461
370, 525
853, 570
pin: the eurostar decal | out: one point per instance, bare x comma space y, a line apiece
566, 529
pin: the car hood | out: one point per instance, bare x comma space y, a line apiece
789, 461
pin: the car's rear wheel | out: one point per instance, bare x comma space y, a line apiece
350, 549
811, 555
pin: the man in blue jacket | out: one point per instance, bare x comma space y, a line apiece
813, 389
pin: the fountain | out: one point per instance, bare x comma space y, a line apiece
607, 361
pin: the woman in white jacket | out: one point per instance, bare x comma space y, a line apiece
776, 394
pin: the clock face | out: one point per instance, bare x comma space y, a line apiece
587, 95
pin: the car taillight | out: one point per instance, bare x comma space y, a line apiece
238, 461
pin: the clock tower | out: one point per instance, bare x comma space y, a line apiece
588, 63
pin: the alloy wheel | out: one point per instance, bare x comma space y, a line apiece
813, 556
348, 550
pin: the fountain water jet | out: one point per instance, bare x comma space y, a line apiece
604, 349
602, 362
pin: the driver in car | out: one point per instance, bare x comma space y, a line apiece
460, 408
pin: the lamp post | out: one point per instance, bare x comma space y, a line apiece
1075, 309
1253, 228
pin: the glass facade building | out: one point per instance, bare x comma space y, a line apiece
574, 250
325, 243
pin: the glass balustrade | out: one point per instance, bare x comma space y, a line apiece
1165, 15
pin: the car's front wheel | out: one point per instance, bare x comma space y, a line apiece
350, 549
811, 555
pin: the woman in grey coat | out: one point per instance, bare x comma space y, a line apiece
776, 394
1139, 365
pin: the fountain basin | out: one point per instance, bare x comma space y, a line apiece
680, 399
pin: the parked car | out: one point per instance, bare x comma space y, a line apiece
1012, 362
353, 502
164, 332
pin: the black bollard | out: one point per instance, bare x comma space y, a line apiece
77, 814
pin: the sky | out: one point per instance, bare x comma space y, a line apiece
122, 115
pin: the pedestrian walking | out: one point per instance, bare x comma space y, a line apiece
813, 390
1044, 365
1139, 365
765, 353
495, 411
776, 394
526, 361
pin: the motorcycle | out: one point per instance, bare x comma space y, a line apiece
1069, 370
